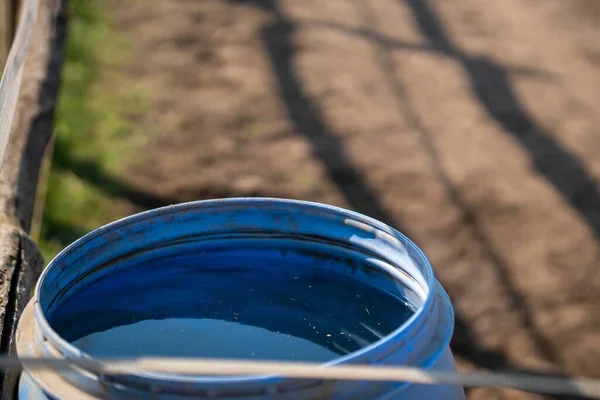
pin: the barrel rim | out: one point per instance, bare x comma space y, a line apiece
419, 318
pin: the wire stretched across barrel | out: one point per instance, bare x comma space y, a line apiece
189, 366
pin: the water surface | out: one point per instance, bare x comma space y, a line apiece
230, 304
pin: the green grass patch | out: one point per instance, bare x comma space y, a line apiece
94, 128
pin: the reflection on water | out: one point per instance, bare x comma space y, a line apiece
188, 337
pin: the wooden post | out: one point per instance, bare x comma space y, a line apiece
20, 260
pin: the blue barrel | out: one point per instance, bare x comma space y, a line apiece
239, 278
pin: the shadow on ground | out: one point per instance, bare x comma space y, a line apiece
490, 85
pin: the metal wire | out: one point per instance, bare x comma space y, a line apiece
197, 366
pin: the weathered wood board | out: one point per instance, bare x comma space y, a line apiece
20, 260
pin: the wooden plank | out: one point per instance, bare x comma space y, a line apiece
20, 260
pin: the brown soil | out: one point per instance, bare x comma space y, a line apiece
472, 126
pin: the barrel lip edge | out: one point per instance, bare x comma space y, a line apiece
359, 356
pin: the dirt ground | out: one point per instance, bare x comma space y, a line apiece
471, 126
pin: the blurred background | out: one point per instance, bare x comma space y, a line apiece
472, 126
